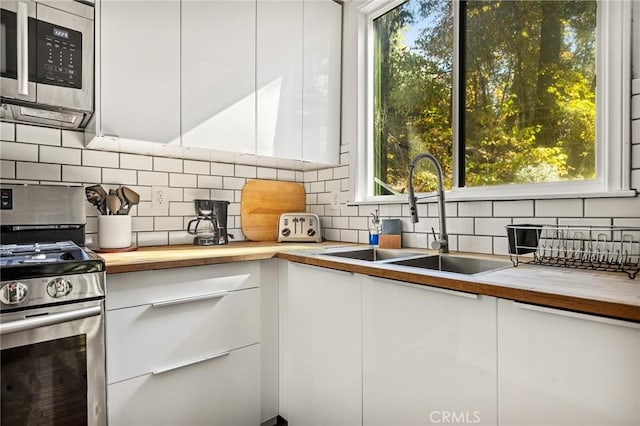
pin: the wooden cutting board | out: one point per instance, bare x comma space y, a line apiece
262, 203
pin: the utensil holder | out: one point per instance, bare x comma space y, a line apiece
114, 231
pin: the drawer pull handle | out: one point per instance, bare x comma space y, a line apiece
190, 299
577, 315
186, 364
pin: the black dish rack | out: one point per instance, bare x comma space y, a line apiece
600, 248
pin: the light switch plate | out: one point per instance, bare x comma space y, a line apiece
335, 199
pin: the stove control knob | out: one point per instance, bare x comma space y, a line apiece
286, 232
13, 293
59, 287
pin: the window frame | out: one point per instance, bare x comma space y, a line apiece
613, 115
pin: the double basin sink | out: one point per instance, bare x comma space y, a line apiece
438, 262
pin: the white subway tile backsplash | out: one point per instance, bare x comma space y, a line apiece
341, 222
349, 236
475, 244
311, 176
196, 167
209, 181
177, 194
491, 226
81, 174
136, 162
316, 187
299, 176
162, 164
460, 225
157, 238
7, 169
233, 182
100, 158
267, 173
607, 207
223, 195
635, 179
357, 222
18, 151
245, 171
320, 211
513, 208
141, 223
586, 222
38, 171
183, 181
222, 169
54, 154
119, 176
390, 210
344, 184
627, 222
181, 209
38, 135
635, 107
311, 198
331, 234
501, 246
7, 131
635, 132
427, 223
168, 223
325, 174
341, 172
535, 221
558, 208
332, 185
180, 237
286, 175
475, 209
153, 178
415, 240
71, 139
450, 208
191, 194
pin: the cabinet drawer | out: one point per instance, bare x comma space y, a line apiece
150, 337
219, 391
141, 288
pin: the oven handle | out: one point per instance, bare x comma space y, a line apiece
45, 320
23, 47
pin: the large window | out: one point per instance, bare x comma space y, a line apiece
501, 92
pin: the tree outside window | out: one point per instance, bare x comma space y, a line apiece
526, 86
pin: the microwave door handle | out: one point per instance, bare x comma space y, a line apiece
23, 48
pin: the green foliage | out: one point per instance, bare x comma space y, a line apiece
529, 92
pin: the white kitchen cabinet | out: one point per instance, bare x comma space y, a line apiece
138, 75
219, 391
279, 53
320, 346
183, 346
566, 369
321, 81
428, 355
218, 75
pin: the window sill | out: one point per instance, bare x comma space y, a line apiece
453, 196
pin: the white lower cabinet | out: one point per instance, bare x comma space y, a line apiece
221, 391
429, 355
320, 346
183, 346
566, 369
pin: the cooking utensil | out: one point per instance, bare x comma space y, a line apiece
113, 203
97, 196
132, 198
124, 209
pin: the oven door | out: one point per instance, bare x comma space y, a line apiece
18, 49
53, 366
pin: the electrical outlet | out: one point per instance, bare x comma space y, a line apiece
335, 199
160, 199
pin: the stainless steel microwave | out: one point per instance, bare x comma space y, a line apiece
46, 62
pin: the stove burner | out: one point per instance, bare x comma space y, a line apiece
17, 254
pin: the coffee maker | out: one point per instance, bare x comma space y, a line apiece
210, 227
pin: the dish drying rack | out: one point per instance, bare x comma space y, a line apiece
600, 248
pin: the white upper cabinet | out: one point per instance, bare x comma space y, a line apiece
279, 78
139, 72
321, 81
218, 75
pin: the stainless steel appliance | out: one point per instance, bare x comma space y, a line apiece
47, 62
51, 313
299, 227
210, 227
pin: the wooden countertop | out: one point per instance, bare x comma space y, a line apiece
601, 293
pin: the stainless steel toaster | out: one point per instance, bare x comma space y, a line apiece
299, 227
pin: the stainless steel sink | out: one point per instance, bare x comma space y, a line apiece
373, 254
457, 264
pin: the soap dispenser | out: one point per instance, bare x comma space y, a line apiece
374, 230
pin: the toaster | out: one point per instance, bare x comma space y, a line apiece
299, 227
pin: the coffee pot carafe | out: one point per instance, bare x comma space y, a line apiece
210, 227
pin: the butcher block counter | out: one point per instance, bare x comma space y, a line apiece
602, 293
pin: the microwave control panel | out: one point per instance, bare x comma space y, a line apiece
59, 56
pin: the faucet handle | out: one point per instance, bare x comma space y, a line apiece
438, 243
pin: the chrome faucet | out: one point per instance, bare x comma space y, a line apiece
442, 241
